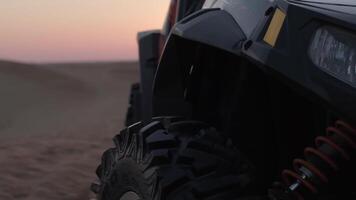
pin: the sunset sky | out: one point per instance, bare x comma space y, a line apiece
75, 30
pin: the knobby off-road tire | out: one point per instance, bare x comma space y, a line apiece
174, 161
133, 113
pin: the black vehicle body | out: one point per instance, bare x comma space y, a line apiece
237, 66
289, 56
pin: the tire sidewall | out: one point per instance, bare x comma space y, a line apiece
127, 177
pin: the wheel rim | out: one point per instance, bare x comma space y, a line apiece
130, 196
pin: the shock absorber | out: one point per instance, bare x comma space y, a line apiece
320, 164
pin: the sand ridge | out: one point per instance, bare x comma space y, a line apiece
55, 122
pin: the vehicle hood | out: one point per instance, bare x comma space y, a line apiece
340, 6
332, 2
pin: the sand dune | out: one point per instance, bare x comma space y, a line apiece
55, 121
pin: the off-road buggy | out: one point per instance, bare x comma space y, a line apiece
241, 99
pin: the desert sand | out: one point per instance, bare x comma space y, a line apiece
55, 121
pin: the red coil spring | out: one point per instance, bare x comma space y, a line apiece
299, 178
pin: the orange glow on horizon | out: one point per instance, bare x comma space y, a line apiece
76, 30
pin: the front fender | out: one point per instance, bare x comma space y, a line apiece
207, 28
213, 27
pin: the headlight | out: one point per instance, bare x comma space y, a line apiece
334, 51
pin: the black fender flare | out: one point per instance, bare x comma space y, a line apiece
210, 27
213, 27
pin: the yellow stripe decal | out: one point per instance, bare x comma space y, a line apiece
275, 27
